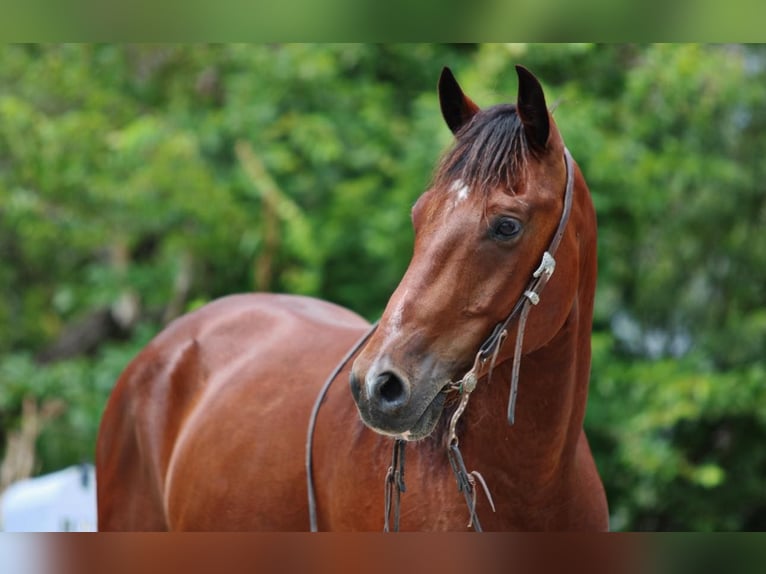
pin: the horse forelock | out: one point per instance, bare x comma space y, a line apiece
491, 150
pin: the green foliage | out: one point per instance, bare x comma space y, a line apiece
177, 174
677, 443
81, 384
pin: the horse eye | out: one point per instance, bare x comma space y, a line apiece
506, 228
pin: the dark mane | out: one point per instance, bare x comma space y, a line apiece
490, 150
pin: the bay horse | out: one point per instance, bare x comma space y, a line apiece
206, 428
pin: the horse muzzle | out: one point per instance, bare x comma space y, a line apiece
390, 404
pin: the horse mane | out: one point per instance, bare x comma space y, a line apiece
490, 150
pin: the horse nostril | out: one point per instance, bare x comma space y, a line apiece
390, 389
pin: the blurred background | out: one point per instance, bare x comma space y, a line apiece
140, 182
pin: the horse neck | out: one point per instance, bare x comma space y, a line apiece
552, 392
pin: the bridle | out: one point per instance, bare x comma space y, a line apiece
488, 351
529, 298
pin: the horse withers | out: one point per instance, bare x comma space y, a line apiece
206, 428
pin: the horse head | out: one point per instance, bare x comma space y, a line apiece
496, 200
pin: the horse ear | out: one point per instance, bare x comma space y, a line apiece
530, 105
457, 108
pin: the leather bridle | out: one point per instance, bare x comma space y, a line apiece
489, 349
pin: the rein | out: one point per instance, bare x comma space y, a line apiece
489, 349
313, 423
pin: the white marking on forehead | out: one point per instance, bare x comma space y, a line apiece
461, 191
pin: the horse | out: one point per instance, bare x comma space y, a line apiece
206, 429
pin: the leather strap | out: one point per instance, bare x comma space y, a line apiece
313, 421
